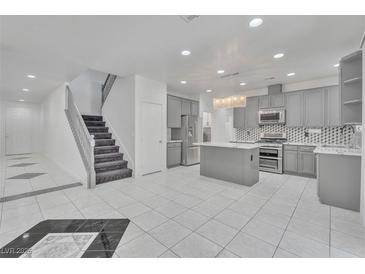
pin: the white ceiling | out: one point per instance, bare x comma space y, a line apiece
58, 48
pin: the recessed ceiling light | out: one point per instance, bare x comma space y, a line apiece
31, 76
278, 55
220, 71
21, 100
25, 89
291, 74
185, 52
336, 65
209, 90
242, 84
256, 22
183, 82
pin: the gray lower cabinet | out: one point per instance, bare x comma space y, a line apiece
314, 108
173, 154
294, 109
185, 107
299, 160
173, 112
251, 112
239, 117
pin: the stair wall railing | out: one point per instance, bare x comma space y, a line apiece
85, 142
107, 86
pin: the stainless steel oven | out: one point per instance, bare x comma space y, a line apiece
271, 158
272, 116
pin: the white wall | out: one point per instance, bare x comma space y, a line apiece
58, 141
86, 90
362, 203
119, 113
34, 111
151, 91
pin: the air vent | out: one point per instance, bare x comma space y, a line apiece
229, 75
269, 78
188, 18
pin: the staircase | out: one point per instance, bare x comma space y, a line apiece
108, 163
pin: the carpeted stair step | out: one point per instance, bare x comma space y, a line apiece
92, 117
101, 135
95, 123
104, 142
107, 166
107, 176
108, 157
97, 129
106, 149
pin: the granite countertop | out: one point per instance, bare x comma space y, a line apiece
174, 141
228, 145
302, 144
338, 151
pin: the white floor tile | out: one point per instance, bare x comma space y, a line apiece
142, 247
191, 219
232, 219
149, 220
217, 232
348, 243
264, 231
170, 233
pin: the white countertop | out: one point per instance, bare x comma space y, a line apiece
228, 145
174, 141
302, 144
338, 151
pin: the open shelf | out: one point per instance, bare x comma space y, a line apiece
355, 101
352, 80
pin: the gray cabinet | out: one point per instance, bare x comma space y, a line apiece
290, 160
299, 160
251, 112
185, 107
314, 109
272, 101
173, 112
333, 113
173, 154
294, 109
239, 117
194, 108
277, 100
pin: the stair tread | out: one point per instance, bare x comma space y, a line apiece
106, 147
110, 163
121, 171
112, 154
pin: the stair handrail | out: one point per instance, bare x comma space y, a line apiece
84, 140
107, 86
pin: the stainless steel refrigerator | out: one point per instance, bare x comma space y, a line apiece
190, 132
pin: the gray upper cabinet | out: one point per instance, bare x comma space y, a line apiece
277, 101
185, 107
239, 117
264, 101
314, 108
251, 112
294, 109
194, 108
272, 101
333, 117
173, 112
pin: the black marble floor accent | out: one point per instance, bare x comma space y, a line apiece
110, 232
38, 192
26, 176
23, 165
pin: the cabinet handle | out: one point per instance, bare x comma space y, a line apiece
251, 157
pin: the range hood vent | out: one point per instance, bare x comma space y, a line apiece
229, 75
188, 18
275, 89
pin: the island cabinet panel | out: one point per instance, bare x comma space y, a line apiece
294, 109
333, 109
277, 101
314, 110
185, 107
173, 112
239, 117
251, 112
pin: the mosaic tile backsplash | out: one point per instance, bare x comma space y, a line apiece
328, 135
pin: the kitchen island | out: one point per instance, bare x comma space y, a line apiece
232, 162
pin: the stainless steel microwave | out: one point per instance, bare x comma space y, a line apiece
271, 116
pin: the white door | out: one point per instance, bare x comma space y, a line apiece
18, 130
151, 139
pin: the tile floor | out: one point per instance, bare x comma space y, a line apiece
179, 213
